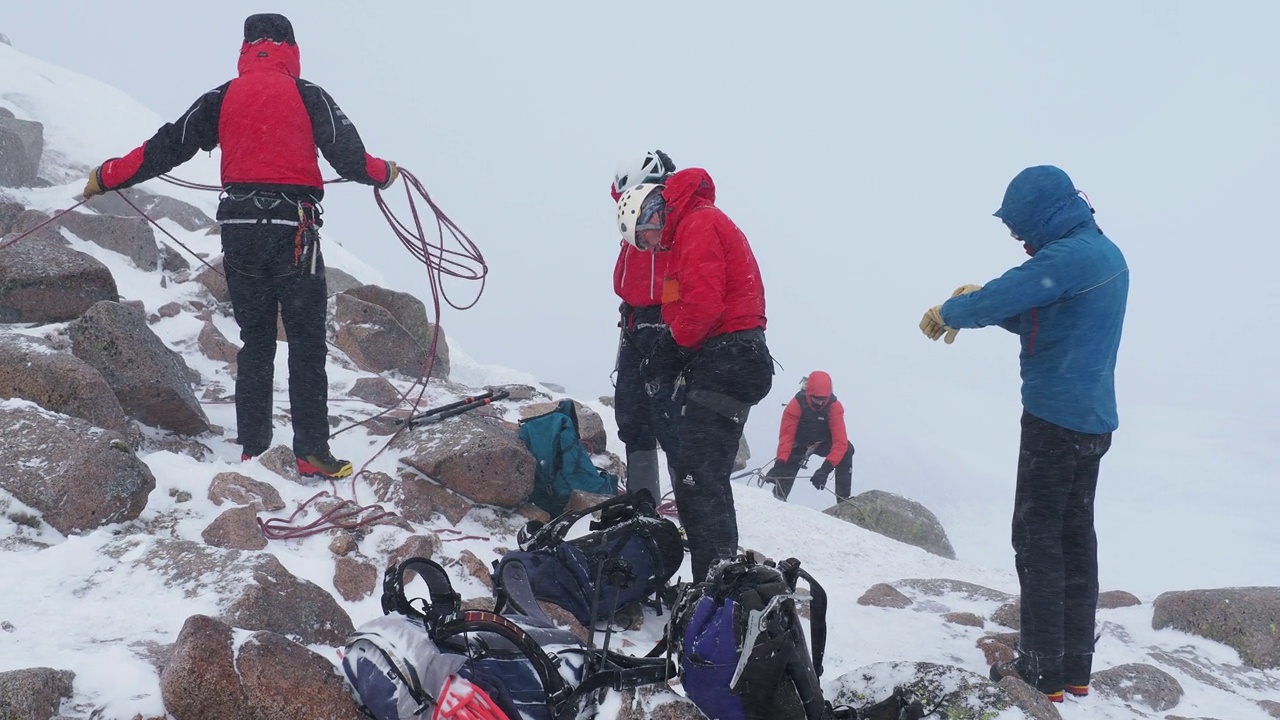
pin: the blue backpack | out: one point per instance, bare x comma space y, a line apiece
563, 463
629, 556
742, 649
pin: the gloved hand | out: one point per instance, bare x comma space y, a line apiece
665, 360
94, 186
773, 474
965, 290
819, 478
933, 327
393, 172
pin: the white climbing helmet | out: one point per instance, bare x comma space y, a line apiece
651, 166
641, 207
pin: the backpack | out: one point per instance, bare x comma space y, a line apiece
743, 654
629, 556
431, 659
563, 463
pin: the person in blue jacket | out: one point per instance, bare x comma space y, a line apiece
1067, 305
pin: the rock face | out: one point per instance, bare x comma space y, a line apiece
129, 236
268, 677
896, 517
480, 460
1139, 683
92, 479
34, 693
152, 382
21, 145
159, 207
411, 313
57, 381
43, 281
1244, 618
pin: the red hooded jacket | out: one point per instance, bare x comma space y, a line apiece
269, 123
804, 423
713, 284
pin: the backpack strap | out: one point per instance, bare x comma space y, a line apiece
444, 605
552, 532
817, 620
791, 571
469, 621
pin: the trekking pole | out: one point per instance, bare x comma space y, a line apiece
453, 409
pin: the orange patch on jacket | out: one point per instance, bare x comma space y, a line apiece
670, 290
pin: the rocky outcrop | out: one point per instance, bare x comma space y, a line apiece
951, 692
236, 529
241, 489
883, 595
31, 369
129, 236
152, 382
375, 340
77, 476
1244, 618
268, 676
479, 459
418, 499
896, 517
43, 281
21, 145
158, 207
1140, 684
34, 693
411, 314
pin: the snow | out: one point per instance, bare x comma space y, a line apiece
71, 606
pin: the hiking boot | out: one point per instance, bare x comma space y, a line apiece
1040, 672
1076, 668
248, 453
323, 464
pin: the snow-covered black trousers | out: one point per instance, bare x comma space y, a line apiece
264, 272
642, 424
729, 375
1056, 550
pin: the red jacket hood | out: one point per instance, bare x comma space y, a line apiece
687, 189
818, 385
268, 55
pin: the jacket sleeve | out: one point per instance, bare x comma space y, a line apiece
338, 140
702, 280
787, 433
1038, 282
619, 270
172, 145
839, 436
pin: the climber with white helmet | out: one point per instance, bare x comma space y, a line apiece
714, 352
637, 279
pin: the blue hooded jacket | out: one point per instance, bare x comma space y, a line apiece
1067, 302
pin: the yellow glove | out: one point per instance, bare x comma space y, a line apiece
965, 290
94, 186
393, 172
933, 328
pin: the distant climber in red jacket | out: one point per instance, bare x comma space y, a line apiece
813, 424
270, 124
713, 302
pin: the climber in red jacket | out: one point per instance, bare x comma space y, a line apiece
644, 422
270, 124
715, 352
813, 424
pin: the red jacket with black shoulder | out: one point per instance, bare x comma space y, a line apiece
713, 284
269, 122
805, 423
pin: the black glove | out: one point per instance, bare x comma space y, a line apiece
819, 478
665, 360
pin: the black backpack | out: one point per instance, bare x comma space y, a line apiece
629, 556
427, 653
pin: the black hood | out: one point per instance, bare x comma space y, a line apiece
268, 26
